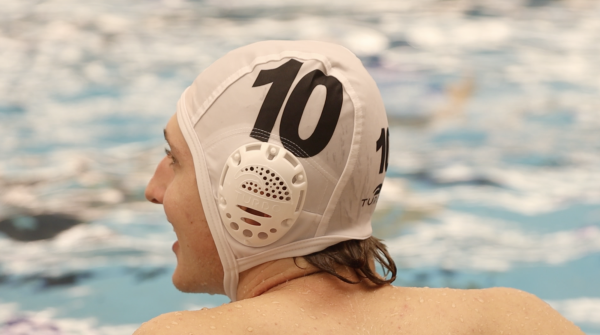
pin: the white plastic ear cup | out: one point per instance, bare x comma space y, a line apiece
261, 193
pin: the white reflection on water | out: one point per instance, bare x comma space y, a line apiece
495, 123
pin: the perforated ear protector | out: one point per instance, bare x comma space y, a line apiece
261, 193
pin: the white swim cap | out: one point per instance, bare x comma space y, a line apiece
290, 145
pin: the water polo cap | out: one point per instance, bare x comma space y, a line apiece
290, 142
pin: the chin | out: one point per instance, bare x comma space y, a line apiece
183, 284
192, 284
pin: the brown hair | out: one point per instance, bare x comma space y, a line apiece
355, 255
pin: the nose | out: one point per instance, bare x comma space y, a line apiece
161, 179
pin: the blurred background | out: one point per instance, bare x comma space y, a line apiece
494, 176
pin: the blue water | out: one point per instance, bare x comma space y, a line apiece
494, 171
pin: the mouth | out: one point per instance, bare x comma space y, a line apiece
175, 246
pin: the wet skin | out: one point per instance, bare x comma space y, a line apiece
321, 304
279, 297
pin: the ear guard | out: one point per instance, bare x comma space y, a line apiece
261, 193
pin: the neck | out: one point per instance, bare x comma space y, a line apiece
272, 276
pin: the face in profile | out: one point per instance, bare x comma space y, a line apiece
174, 186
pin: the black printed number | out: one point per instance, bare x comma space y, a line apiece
281, 79
383, 143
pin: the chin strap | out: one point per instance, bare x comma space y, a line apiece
230, 283
228, 261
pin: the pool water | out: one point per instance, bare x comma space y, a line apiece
494, 175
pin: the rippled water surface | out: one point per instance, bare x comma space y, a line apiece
494, 176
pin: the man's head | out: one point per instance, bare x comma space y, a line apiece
273, 117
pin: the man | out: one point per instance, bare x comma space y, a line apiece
277, 155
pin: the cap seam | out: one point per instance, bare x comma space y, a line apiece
248, 69
352, 156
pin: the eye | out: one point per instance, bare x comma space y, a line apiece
170, 155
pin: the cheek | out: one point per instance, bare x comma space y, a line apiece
182, 202
172, 203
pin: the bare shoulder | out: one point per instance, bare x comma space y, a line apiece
518, 312
226, 319
484, 311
